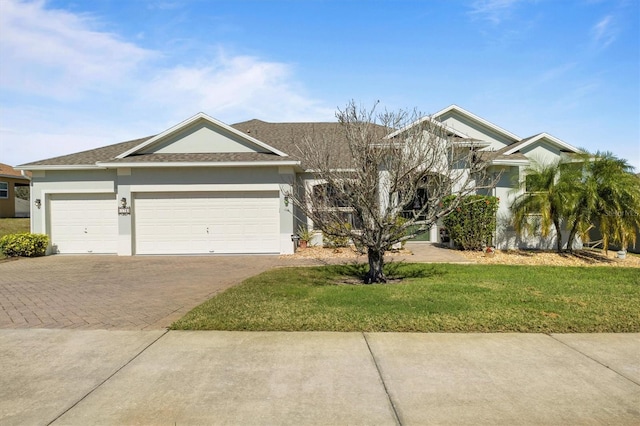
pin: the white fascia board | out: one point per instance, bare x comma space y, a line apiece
61, 167
509, 162
547, 136
479, 144
331, 170
477, 119
203, 164
188, 122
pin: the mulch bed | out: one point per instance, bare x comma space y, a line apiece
586, 257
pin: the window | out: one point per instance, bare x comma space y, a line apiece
336, 202
4, 190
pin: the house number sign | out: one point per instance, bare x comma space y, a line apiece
124, 211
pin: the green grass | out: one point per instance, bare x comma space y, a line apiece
432, 298
13, 226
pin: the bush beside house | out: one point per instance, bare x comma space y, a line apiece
472, 224
25, 245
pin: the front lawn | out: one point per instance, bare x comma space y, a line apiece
13, 226
439, 298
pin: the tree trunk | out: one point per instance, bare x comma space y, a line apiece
572, 236
376, 261
558, 235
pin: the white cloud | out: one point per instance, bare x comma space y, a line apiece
57, 54
604, 32
67, 86
232, 87
494, 11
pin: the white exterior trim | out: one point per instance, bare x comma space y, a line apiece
206, 188
513, 162
188, 122
477, 119
201, 164
63, 167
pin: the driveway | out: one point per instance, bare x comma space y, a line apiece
137, 292
110, 292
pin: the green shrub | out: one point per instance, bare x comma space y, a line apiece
26, 245
337, 235
471, 225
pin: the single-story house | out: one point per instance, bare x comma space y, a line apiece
204, 186
10, 204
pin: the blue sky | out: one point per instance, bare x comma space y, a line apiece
79, 74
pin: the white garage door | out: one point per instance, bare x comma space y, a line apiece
84, 223
207, 222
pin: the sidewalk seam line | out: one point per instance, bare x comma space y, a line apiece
594, 360
107, 379
384, 385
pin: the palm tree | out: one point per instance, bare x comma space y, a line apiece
545, 195
601, 188
618, 193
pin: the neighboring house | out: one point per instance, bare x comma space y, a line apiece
10, 205
203, 186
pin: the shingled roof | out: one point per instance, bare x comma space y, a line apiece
285, 137
90, 157
8, 171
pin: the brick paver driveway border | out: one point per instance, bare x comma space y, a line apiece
111, 292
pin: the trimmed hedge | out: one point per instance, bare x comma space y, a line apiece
471, 225
25, 245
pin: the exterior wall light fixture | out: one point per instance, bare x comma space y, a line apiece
38, 202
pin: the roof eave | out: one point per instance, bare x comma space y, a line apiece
513, 162
59, 167
200, 164
15, 177
472, 144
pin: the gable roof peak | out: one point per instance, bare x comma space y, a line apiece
189, 121
508, 150
477, 119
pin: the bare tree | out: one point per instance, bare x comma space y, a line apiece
381, 177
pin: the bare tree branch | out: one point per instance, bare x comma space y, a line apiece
379, 175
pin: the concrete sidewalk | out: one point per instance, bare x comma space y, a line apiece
77, 377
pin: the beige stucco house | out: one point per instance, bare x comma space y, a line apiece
10, 205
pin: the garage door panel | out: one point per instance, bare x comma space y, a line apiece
207, 222
84, 223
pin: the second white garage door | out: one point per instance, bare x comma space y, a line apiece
207, 222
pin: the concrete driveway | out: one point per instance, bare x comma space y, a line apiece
111, 292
